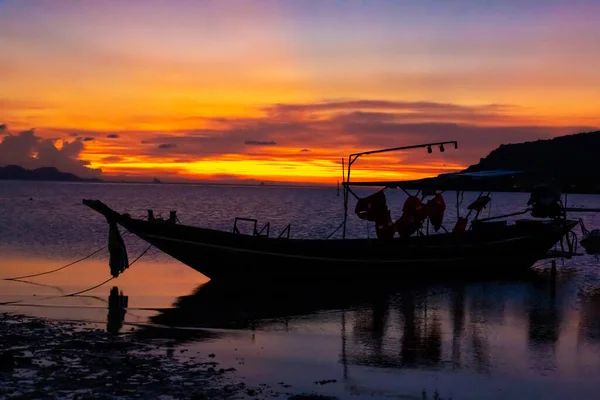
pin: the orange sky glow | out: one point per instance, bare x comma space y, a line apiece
282, 90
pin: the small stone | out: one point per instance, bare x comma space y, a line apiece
325, 381
7, 362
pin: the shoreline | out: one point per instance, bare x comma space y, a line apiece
47, 359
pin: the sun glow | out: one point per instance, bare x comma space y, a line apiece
276, 169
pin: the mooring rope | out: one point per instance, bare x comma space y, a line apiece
56, 269
110, 279
16, 278
82, 291
90, 289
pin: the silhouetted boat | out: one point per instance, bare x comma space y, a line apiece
488, 247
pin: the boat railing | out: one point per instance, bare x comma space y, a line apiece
237, 219
267, 227
285, 231
255, 231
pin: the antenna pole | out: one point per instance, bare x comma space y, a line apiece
345, 197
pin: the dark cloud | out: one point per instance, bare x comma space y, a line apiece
260, 143
145, 142
305, 150
20, 149
112, 136
112, 159
359, 117
165, 146
229, 138
2, 129
88, 139
73, 134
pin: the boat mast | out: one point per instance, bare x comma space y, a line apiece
353, 157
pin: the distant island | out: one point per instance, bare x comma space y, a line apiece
569, 161
14, 172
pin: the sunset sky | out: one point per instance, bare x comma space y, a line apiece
282, 89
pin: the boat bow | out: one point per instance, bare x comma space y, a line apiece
98, 206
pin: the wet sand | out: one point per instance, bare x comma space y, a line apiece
44, 359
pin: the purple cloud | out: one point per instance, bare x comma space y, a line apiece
260, 143
112, 159
19, 149
415, 106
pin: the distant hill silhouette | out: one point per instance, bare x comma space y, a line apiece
571, 162
14, 172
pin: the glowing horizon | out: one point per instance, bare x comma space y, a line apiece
282, 90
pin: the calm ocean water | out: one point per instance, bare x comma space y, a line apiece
528, 339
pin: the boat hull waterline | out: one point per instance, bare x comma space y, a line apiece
229, 256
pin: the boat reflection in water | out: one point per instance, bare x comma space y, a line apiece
117, 309
116, 319
521, 333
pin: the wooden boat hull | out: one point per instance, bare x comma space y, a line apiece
228, 256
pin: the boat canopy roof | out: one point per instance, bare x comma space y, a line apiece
484, 174
494, 180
